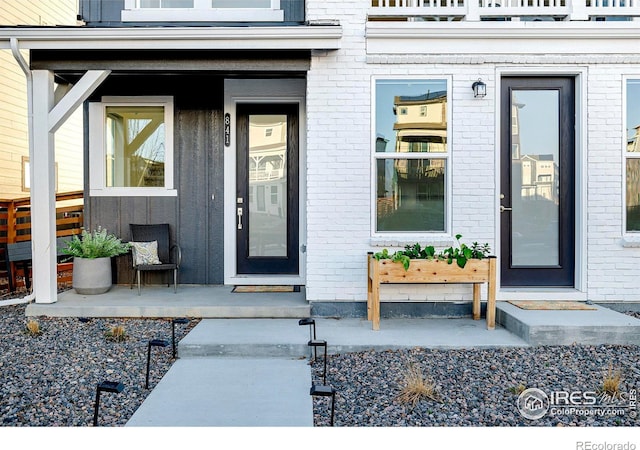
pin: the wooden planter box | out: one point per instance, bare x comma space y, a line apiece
422, 271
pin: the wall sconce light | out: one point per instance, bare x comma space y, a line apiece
479, 89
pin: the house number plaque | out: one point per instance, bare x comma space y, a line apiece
227, 130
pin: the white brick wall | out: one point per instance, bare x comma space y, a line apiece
339, 160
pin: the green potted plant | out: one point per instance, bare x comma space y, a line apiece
92, 253
423, 265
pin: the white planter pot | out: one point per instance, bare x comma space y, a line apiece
91, 276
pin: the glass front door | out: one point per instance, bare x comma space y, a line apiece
267, 189
537, 184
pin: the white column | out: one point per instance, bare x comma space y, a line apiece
43, 205
473, 10
579, 10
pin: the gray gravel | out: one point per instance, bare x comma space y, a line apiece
476, 387
50, 379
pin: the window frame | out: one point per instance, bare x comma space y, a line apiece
202, 11
406, 236
98, 148
626, 155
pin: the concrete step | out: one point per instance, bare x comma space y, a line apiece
560, 327
275, 338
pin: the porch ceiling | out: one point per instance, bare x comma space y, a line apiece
73, 63
308, 37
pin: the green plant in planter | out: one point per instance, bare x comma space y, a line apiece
460, 254
97, 244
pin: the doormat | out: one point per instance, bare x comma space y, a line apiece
552, 305
246, 289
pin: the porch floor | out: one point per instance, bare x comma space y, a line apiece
190, 301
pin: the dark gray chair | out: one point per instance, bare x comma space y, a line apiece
169, 254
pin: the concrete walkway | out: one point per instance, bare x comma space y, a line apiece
255, 372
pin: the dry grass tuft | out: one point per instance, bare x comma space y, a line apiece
517, 390
33, 328
416, 387
611, 382
116, 334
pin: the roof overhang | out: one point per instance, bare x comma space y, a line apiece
303, 37
522, 37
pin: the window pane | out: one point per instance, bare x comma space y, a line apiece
241, 3
410, 194
135, 143
633, 194
268, 174
535, 177
633, 115
166, 3
411, 116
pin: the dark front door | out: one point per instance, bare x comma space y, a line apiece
537, 181
267, 189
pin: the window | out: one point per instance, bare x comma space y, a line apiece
411, 156
202, 11
165, 3
26, 175
632, 156
131, 146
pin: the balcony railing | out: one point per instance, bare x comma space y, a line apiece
475, 10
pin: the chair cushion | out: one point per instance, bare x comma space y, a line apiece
145, 253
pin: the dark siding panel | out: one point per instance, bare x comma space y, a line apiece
99, 217
163, 210
132, 210
199, 161
96, 11
196, 220
192, 160
293, 10
216, 209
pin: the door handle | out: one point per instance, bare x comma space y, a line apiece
504, 208
239, 213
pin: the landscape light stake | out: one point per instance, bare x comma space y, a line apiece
105, 386
153, 343
322, 390
181, 321
315, 343
312, 324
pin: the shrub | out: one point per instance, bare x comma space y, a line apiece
416, 387
460, 254
611, 382
97, 244
116, 334
33, 328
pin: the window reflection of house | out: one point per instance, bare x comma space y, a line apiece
633, 181
539, 177
421, 128
538, 173
268, 184
415, 186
